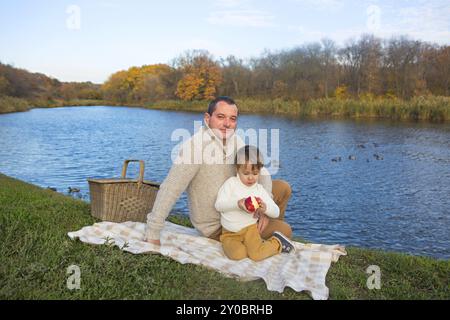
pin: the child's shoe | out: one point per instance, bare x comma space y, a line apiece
286, 245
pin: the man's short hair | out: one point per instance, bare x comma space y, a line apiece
213, 104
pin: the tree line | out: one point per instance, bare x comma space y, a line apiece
368, 66
364, 67
20, 83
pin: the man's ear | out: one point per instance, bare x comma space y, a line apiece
206, 118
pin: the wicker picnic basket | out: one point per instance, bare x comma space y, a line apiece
123, 199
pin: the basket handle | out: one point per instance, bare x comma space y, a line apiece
141, 170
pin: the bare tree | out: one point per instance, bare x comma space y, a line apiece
329, 51
401, 58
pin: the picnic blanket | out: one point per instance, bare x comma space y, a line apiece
304, 270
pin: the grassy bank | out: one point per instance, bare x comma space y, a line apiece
56, 103
36, 252
429, 108
11, 104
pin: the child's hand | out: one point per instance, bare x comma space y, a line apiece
241, 205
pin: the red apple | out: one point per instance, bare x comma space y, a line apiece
251, 203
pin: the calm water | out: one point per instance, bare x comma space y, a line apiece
400, 202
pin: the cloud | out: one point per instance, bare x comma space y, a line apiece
426, 21
241, 18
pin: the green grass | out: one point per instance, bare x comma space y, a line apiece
35, 252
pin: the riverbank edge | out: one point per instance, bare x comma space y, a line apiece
430, 108
12, 104
36, 252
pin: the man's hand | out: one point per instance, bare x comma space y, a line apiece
157, 242
262, 207
263, 221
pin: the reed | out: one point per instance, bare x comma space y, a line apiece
430, 108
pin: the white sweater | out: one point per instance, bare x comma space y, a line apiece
232, 217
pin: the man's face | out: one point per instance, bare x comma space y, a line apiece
223, 121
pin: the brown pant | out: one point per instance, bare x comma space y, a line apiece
281, 191
248, 243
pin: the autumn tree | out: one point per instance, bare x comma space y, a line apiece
265, 71
401, 59
437, 69
4, 86
152, 83
237, 77
302, 71
201, 76
350, 57
371, 61
117, 87
328, 62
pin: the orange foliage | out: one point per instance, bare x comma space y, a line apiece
201, 77
137, 83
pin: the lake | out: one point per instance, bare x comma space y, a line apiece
374, 184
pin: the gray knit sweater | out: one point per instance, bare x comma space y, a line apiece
204, 163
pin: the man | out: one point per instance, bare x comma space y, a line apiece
202, 178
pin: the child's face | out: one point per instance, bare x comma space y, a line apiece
248, 176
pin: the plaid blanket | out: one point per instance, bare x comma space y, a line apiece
304, 270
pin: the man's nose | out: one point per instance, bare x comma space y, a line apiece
226, 123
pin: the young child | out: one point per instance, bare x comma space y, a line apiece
240, 236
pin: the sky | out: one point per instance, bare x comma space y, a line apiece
88, 40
